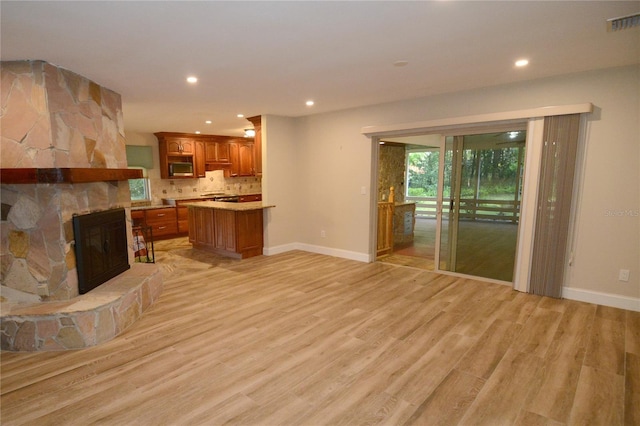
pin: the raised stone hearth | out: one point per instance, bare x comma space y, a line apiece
86, 320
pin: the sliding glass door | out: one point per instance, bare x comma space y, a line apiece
481, 194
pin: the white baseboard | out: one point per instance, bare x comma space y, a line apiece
606, 299
345, 254
270, 251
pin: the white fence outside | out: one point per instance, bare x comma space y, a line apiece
470, 208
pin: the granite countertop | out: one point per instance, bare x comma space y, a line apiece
174, 199
254, 205
153, 206
196, 197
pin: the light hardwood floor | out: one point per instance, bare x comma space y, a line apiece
307, 339
485, 249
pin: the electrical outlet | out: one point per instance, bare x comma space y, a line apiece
323, 234
623, 275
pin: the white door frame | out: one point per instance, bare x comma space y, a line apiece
535, 120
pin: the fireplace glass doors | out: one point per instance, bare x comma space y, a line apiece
101, 247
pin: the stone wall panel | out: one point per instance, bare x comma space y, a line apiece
7, 80
19, 115
47, 328
38, 259
391, 172
58, 290
19, 243
19, 277
61, 135
12, 153
105, 327
25, 337
39, 138
70, 338
25, 213
86, 322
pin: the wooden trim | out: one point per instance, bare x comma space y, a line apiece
385, 228
442, 124
199, 137
66, 175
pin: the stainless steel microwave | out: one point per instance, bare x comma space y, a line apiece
181, 169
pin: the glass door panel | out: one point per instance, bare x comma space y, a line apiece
449, 222
482, 185
422, 177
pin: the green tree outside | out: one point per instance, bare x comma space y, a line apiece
496, 168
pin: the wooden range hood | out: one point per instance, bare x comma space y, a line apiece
66, 175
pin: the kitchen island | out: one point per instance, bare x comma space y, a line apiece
228, 229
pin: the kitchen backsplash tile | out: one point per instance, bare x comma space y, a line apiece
213, 182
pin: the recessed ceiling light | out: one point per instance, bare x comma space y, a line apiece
208, 122
400, 63
310, 103
197, 132
240, 115
522, 62
191, 79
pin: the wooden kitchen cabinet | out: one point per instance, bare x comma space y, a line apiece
235, 156
175, 147
245, 165
181, 211
137, 218
225, 230
201, 228
163, 221
183, 219
217, 152
257, 140
248, 230
249, 198
242, 158
229, 232
180, 146
199, 167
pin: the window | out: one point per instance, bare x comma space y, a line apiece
139, 188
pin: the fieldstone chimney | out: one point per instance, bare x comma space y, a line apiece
53, 118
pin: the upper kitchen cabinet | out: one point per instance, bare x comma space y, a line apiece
180, 146
242, 158
217, 151
200, 166
201, 153
176, 148
257, 148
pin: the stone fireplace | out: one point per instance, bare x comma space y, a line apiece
100, 247
63, 154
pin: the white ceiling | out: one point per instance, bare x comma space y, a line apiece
270, 57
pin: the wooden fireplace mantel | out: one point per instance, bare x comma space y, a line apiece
66, 175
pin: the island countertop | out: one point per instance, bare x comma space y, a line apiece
238, 207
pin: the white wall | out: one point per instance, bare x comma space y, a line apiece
330, 160
280, 184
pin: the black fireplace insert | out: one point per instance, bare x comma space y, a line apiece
101, 247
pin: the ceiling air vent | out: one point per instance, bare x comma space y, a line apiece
623, 22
